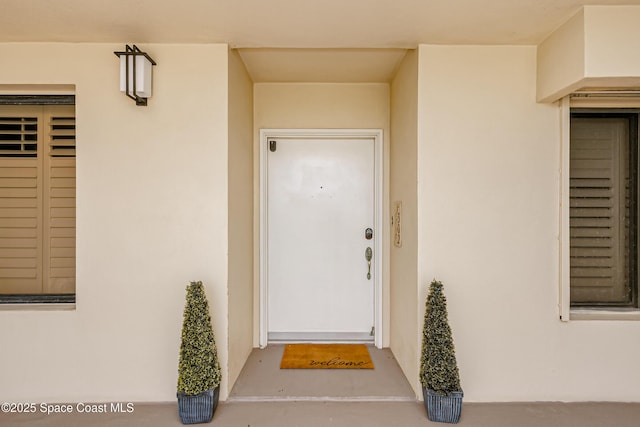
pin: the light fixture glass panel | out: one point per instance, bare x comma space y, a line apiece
143, 75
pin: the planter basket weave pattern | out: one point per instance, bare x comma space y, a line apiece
443, 409
199, 408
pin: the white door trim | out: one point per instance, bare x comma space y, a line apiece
376, 135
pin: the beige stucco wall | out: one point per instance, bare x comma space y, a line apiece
612, 37
488, 190
324, 105
151, 215
155, 194
240, 215
560, 60
404, 341
594, 49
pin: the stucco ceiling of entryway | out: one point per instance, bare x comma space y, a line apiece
299, 24
322, 65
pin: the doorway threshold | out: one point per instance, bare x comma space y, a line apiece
319, 337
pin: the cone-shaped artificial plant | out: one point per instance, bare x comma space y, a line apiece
198, 369
438, 365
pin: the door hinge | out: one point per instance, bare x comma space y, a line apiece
373, 331
272, 145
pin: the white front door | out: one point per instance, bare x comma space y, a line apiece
320, 201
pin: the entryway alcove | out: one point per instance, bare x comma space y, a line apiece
340, 89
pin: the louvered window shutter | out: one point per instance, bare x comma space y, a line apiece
37, 199
60, 201
20, 200
599, 200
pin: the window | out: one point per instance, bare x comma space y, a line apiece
603, 211
37, 202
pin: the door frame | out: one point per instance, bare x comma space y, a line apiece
377, 136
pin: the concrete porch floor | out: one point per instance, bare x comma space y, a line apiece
265, 396
262, 379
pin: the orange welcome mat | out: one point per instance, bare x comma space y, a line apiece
326, 356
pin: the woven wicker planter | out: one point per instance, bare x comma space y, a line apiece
443, 409
198, 408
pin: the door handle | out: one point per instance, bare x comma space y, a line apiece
368, 254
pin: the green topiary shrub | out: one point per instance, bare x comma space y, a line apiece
438, 365
198, 369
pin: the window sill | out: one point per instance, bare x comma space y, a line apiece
605, 314
38, 307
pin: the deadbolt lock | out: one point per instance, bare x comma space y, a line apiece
368, 234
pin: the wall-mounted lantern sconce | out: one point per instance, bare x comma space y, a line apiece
134, 62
